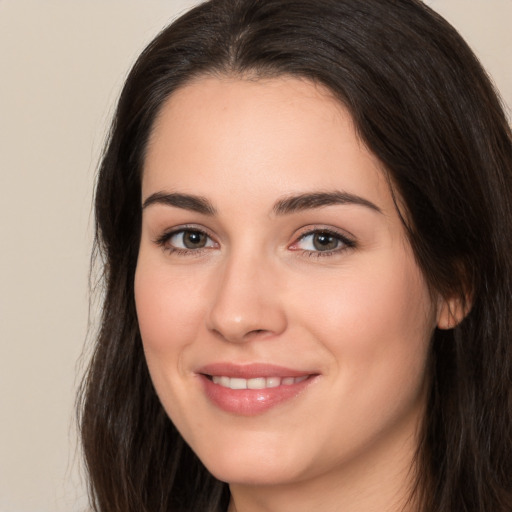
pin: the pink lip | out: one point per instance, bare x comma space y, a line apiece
250, 402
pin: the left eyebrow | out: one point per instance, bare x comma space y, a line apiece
314, 200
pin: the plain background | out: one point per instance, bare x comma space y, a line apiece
62, 63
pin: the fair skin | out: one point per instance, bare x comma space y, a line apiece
231, 273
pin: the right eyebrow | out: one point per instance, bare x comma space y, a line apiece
186, 201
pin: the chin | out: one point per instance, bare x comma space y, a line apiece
243, 473
250, 466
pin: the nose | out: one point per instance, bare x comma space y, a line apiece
246, 301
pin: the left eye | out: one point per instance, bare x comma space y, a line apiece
190, 239
322, 241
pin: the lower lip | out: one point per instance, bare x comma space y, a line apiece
250, 402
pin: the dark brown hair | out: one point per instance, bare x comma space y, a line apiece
424, 106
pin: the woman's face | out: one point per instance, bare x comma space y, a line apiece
272, 259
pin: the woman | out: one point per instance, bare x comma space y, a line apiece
305, 214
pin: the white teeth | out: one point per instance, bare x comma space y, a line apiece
256, 383
236, 383
259, 383
273, 382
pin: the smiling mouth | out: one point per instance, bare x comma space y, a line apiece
252, 389
237, 383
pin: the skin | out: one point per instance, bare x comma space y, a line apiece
360, 317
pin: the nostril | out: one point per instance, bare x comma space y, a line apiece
257, 333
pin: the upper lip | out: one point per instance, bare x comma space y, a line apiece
251, 371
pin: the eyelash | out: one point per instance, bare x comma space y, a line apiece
164, 239
345, 242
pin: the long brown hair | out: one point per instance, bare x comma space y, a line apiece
424, 106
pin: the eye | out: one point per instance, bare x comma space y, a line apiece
322, 241
186, 240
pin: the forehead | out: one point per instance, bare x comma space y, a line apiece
283, 135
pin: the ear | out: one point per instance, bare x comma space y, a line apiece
451, 311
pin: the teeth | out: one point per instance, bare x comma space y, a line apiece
224, 381
235, 383
259, 383
256, 383
273, 382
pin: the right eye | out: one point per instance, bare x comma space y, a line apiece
186, 241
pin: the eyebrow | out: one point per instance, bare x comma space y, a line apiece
319, 199
292, 204
186, 201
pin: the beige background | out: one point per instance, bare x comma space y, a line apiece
61, 65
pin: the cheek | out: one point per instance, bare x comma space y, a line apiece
152, 303
377, 322
166, 306
168, 313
